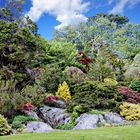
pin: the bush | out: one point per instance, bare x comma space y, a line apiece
130, 111
67, 126
110, 81
130, 95
95, 95
135, 85
64, 92
5, 129
20, 120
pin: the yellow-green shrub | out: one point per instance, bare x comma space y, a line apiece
130, 111
63, 91
4, 127
110, 81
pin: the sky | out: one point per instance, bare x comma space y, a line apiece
56, 14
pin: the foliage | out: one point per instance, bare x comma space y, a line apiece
67, 126
64, 92
51, 78
130, 111
20, 120
130, 95
10, 98
28, 106
95, 95
133, 70
4, 126
110, 81
135, 85
97, 112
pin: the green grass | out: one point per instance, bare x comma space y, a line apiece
110, 133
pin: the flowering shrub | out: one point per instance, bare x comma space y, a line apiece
130, 111
28, 106
131, 96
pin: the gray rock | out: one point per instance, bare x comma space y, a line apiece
87, 121
56, 103
114, 118
54, 116
32, 114
38, 127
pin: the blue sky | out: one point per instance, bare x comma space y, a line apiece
55, 14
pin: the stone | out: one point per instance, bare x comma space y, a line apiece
32, 114
87, 121
38, 127
54, 116
56, 103
113, 118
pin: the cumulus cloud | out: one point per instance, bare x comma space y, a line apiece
66, 11
121, 4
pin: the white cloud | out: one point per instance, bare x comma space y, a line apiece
66, 11
120, 6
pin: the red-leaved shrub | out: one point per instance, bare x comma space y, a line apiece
131, 96
51, 97
28, 106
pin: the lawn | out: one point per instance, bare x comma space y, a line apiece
112, 133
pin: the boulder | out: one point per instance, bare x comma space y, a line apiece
38, 127
56, 103
91, 121
113, 118
32, 114
54, 116
87, 121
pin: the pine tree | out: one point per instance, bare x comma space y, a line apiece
63, 91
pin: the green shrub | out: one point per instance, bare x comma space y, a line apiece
130, 111
20, 120
135, 85
67, 126
5, 129
95, 95
97, 112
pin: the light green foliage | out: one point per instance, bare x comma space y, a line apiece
62, 53
4, 126
97, 112
67, 126
130, 111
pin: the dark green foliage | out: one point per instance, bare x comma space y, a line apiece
95, 95
135, 85
12, 100
51, 78
5, 129
20, 120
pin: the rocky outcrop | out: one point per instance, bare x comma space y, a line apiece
54, 116
38, 127
91, 121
